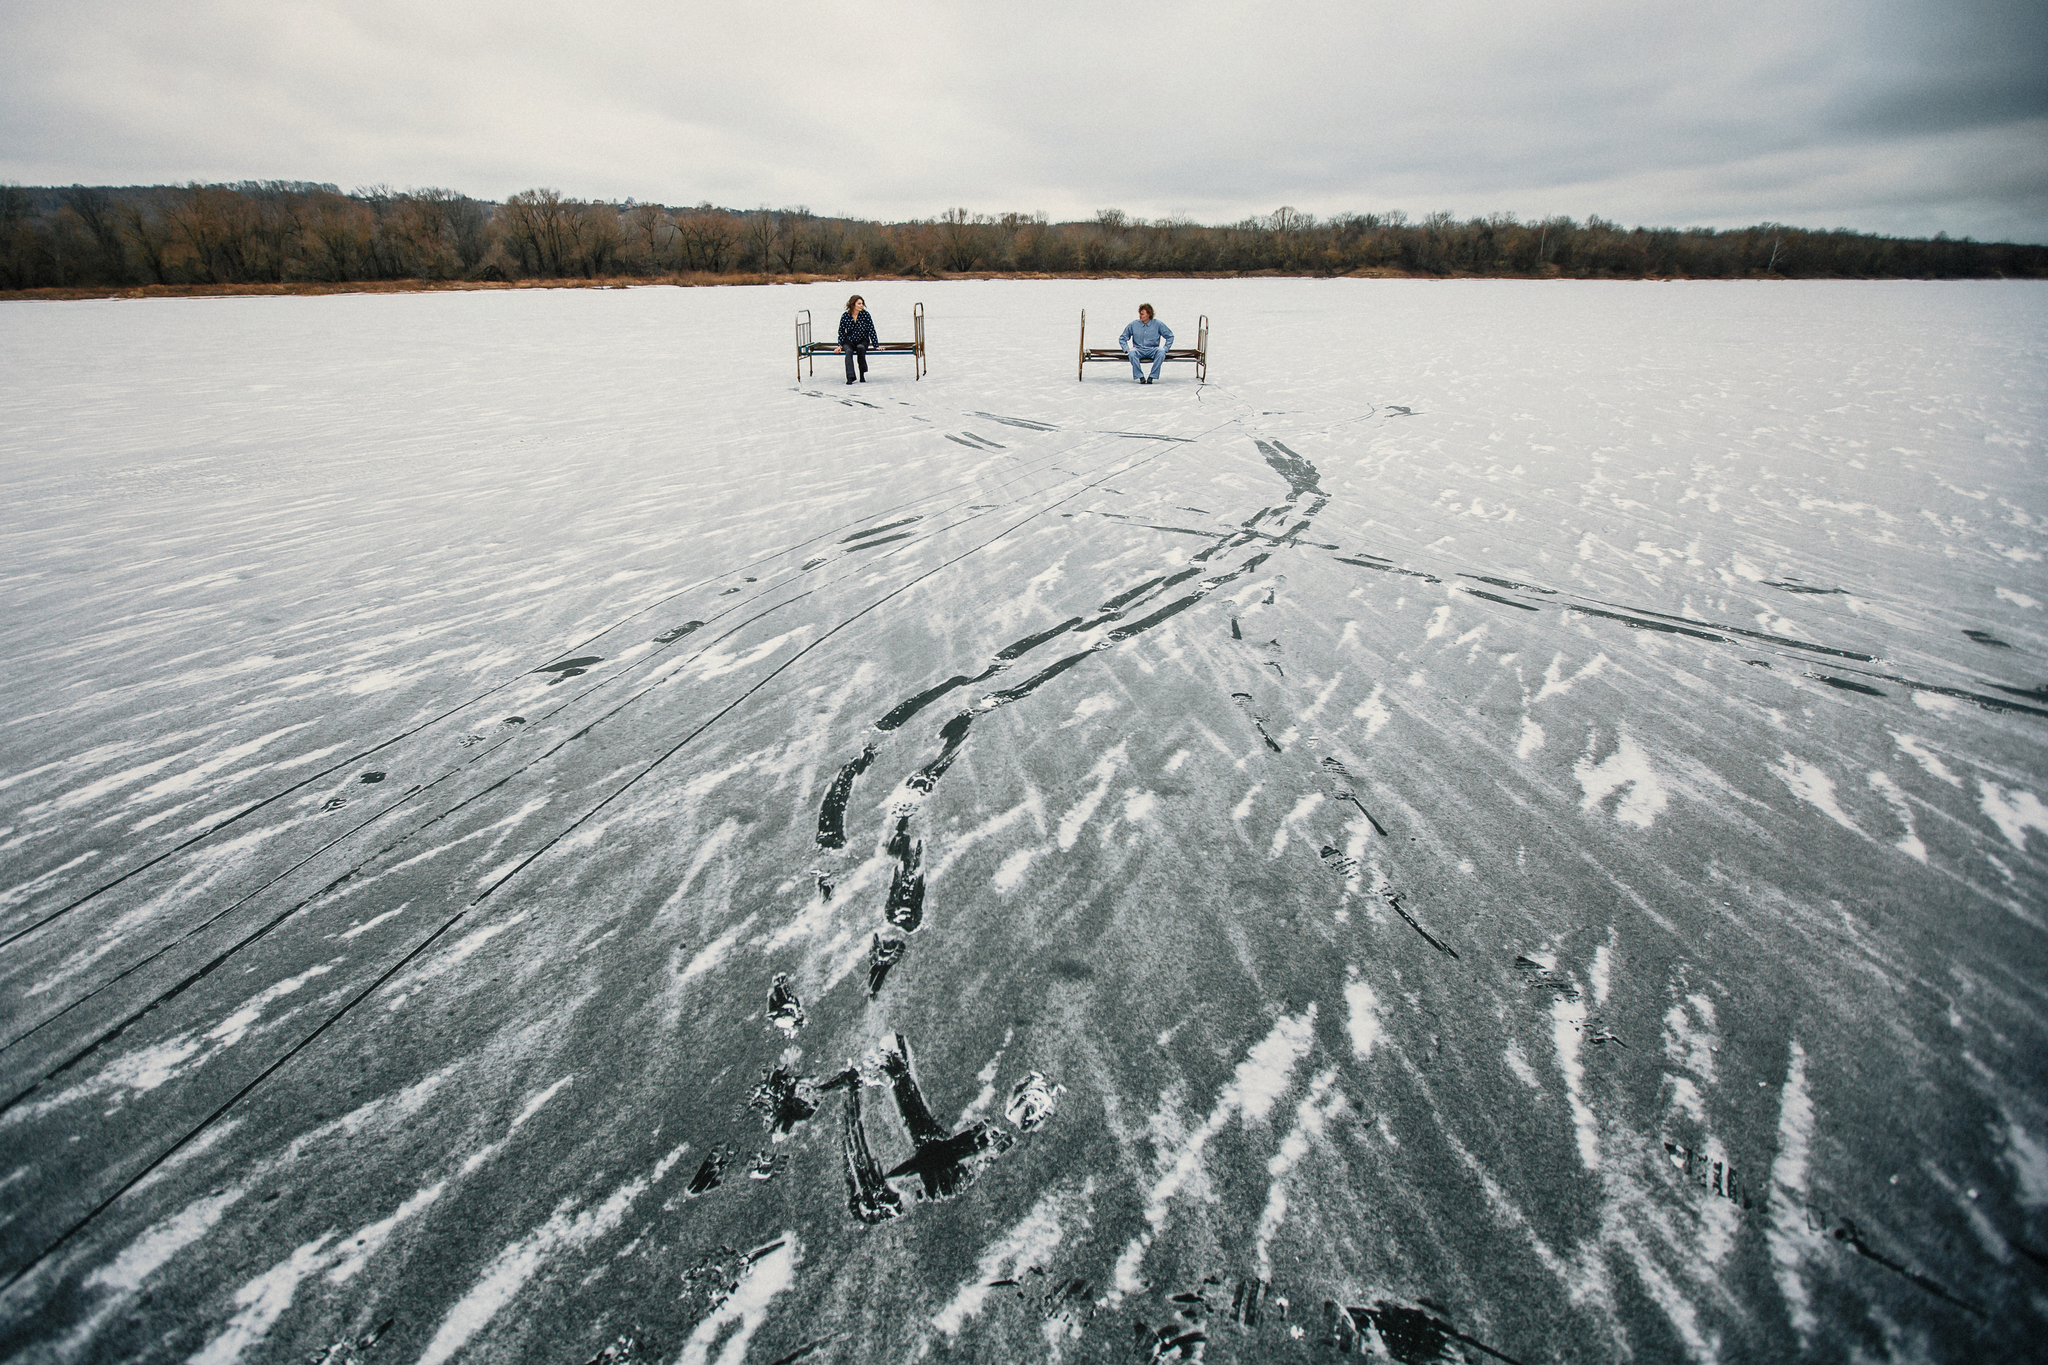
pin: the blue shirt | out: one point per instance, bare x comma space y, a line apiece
1146, 334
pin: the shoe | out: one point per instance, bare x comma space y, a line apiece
863, 379
849, 381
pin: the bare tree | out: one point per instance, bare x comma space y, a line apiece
100, 217
654, 233
707, 238
538, 228
792, 237
757, 239
150, 233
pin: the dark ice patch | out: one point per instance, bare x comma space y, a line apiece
832, 813
675, 633
784, 1099
1495, 597
1024, 422
711, 1174
1546, 979
785, 1010
1301, 476
1031, 642
1844, 685
869, 1196
1388, 567
883, 954
570, 668
1639, 623
1410, 1335
944, 1163
1507, 583
1393, 898
910, 706
1244, 703
877, 530
1985, 637
905, 907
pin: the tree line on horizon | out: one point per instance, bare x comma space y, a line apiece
283, 232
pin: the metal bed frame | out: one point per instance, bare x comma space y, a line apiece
808, 350
1199, 353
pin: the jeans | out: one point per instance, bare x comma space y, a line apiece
854, 353
1155, 354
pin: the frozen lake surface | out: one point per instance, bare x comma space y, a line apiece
1508, 826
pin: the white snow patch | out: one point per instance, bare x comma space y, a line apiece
355, 1253
1030, 1243
717, 664
1303, 808
728, 830
1909, 843
1568, 1036
2028, 1158
1373, 711
1010, 872
711, 954
163, 1240
262, 1301
1084, 810
1438, 621
1689, 1044
1627, 770
1555, 682
367, 925
1816, 789
1311, 1119
767, 1277
1091, 706
2018, 599
1915, 748
1530, 740
471, 944
514, 1265
1787, 1234
1518, 1063
2014, 814
1364, 1006
1260, 1080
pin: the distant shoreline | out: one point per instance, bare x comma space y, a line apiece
701, 280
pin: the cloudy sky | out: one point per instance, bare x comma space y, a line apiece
1899, 116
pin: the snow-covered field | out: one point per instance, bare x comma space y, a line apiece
1507, 826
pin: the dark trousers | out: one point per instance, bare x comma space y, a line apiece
856, 353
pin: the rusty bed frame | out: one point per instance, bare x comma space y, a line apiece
1198, 353
807, 350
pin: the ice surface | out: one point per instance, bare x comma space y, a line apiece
1516, 812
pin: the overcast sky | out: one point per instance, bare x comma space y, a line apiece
1898, 116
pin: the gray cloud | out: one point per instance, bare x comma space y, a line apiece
1895, 116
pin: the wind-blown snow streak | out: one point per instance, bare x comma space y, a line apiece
1260, 1080
1311, 1118
1787, 1234
1029, 1244
1627, 770
565, 1230
774, 1272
